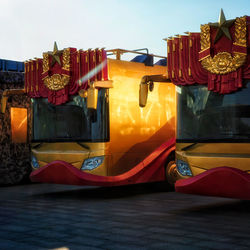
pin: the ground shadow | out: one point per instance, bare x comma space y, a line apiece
226, 206
100, 193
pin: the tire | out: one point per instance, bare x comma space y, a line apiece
171, 171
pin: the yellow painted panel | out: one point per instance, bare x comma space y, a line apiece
204, 156
136, 132
72, 153
18, 118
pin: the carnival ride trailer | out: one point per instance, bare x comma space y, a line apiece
212, 71
87, 128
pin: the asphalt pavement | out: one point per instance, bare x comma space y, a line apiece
147, 216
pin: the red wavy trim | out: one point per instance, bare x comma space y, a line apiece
221, 181
149, 170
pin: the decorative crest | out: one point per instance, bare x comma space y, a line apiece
223, 62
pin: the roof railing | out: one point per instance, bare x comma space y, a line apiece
119, 52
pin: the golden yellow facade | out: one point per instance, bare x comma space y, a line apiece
135, 132
204, 156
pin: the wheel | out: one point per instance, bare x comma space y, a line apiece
171, 171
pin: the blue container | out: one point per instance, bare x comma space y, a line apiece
9, 65
146, 59
162, 62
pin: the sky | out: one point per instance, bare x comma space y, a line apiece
30, 27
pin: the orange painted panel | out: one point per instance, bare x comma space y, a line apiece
18, 118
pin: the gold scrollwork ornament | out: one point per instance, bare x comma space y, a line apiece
45, 62
56, 81
223, 63
66, 59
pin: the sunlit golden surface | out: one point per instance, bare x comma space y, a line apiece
204, 156
134, 132
18, 118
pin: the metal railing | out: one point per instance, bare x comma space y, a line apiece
119, 52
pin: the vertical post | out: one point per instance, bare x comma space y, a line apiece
118, 54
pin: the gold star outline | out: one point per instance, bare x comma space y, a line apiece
55, 55
222, 27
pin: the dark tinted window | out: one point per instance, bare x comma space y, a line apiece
204, 115
71, 121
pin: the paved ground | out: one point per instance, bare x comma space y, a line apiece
46, 216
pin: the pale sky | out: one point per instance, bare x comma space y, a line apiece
30, 27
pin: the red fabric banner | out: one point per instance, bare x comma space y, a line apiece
84, 60
186, 60
185, 57
197, 71
92, 65
48, 79
98, 62
183, 60
104, 66
26, 78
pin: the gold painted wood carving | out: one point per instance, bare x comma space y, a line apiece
57, 81
45, 62
205, 37
224, 62
66, 59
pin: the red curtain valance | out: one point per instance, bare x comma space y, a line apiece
49, 79
185, 55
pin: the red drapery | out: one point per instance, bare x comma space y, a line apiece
77, 69
185, 55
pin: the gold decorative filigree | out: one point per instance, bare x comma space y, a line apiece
56, 81
45, 62
240, 32
66, 59
224, 62
205, 37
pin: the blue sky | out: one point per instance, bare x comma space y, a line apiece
30, 27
